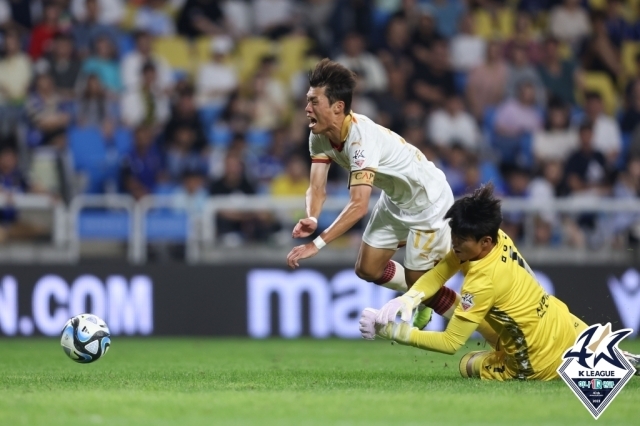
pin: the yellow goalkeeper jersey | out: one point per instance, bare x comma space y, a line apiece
535, 328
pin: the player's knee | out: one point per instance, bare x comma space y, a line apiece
367, 274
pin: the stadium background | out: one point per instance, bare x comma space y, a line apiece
153, 153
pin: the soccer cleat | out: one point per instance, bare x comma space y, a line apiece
634, 360
422, 317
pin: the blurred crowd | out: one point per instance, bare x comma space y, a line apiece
205, 97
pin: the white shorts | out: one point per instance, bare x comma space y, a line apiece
426, 234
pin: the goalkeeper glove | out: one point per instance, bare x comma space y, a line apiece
404, 305
396, 331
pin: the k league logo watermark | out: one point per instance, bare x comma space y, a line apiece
595, 369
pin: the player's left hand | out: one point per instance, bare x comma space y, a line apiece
304, 251
397, 331
404, 305
368, 323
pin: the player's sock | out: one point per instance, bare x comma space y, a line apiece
393, 277
444, 302
634, 360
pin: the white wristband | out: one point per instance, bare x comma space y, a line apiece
313, 219
319, 242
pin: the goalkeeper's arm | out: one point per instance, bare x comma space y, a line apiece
449, 341
434, 279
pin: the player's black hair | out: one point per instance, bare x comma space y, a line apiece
338, 82
477, 215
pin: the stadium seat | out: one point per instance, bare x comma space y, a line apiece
490, 173
597, 4
126, 44
577, 115
89, 152
292, 53
220, 136
202, 49
162, 225
250, 51
103, 225
165, 188
381, 17
601, 83
488, 28
176, 51
123, 139
128, 20
488, 124
209, 115
525, 156
258, 139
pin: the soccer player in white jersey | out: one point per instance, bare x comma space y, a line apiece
415, 194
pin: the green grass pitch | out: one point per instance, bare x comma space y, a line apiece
292, 382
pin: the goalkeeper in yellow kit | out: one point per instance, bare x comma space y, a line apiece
528, 329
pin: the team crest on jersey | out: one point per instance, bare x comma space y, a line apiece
358, 157
594, 368
467, 301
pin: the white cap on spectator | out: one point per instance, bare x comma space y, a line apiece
221, 45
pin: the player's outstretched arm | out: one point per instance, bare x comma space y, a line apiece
355, 210
449, 341
315, 198
458, 331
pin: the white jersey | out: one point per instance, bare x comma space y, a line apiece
409, 180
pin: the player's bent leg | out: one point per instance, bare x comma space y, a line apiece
375, 265
471, 363
412, 276
381, 239
486, 365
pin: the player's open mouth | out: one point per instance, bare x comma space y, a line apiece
312, 122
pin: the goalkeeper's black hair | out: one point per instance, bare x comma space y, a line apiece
476, 215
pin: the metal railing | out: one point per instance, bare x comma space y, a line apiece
59, 230
201, 236
106, 202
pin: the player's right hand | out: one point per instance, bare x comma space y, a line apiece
397, 331
403, 305
304, 228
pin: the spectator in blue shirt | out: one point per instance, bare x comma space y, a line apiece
617, 27
104, 63
447, 14
94, 106
87, 31
47, 112
143, 167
